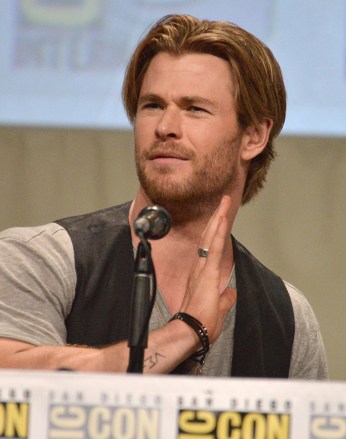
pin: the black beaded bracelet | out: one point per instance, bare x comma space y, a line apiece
200, 330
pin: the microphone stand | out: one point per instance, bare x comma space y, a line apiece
153, 222
140, 306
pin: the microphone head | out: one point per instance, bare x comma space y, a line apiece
153, 222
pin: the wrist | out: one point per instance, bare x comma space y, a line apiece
200, 331
184, 334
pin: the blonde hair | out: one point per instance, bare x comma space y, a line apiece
259, 87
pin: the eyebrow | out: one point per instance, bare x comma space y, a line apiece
196, 100
184, 100
150, 97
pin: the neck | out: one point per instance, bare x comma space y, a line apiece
184, 236
175, 254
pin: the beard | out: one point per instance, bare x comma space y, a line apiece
198, 194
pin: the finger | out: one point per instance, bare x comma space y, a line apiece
210, 230
217, 245
208, 234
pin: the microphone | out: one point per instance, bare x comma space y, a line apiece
153, 222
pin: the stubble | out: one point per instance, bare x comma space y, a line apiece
198, 194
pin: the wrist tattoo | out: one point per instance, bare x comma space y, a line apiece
152, 360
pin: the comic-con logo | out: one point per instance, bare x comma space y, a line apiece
232, 425
14, 419
95, 422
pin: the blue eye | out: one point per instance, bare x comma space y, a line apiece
151, 106
195, 109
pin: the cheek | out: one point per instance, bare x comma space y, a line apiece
208, 134
200, 137
207, 142
143, 131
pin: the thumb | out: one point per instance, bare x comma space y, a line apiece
228, 298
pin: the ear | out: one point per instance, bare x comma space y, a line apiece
255, 139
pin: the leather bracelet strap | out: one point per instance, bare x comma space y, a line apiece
200, 330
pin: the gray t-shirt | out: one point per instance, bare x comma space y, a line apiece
37, 288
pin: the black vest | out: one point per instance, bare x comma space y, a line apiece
264, 327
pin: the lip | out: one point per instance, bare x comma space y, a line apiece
168, 161
167, 158
164, 155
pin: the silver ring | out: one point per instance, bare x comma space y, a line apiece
202, 252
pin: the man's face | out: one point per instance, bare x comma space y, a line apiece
186, 132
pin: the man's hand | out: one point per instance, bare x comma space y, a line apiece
205, 298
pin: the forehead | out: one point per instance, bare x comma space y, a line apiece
191, 71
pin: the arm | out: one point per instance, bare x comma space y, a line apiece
168, 346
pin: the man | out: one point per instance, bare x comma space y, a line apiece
206, 100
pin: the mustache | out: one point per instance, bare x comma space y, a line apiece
168, 148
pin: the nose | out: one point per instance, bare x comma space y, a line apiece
169, 124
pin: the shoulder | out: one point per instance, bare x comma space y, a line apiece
46, 238
303, 311
308, 356
44, 250
31, 234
